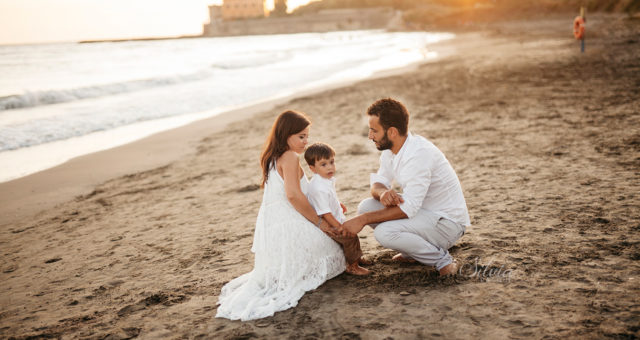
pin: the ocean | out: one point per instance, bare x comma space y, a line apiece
59, 101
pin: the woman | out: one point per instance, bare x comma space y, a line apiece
292, 253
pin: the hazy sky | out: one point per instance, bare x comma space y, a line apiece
35, 21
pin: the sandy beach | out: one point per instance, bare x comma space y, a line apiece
545, 141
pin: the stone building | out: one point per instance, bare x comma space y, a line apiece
323, 21
243, 9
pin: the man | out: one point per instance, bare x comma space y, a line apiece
431, 214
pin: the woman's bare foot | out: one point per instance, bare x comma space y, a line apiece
449, 269
364, 262
355, 269
400, 258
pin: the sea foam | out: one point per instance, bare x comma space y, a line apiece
57, 92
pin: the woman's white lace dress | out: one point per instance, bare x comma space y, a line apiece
292, 256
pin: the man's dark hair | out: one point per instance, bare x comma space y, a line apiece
318, 151
391, 114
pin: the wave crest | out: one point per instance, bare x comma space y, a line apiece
40, 98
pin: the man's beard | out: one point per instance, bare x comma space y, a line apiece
384, 143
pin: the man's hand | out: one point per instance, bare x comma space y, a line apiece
353, 226
390, 198
344, 208
342, 231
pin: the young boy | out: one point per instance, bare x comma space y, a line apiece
324, 199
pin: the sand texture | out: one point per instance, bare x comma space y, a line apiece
545, 141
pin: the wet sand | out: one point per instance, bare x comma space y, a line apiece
545, 140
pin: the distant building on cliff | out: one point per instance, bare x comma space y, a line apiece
322, 21
238, 9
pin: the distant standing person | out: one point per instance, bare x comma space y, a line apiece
430, 214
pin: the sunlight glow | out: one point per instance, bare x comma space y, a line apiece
37, 21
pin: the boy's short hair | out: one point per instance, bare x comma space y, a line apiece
318, 151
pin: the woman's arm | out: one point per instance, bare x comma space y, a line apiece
290, 166
332, 221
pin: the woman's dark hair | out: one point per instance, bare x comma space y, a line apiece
288, 123
391, 114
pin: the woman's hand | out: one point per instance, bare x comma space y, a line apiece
328, 229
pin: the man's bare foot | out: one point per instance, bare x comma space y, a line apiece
364, 262
402, 259
449, 269
355, 269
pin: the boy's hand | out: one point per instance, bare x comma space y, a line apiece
344, 208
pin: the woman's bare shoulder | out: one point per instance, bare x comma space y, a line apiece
289, 163
288, 157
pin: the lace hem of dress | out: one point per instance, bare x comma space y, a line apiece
244, 298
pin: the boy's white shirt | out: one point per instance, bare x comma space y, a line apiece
322, 195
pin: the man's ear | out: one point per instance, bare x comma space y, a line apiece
393, 132
312, 168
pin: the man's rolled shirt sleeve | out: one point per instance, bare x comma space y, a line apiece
319, 200
384, 175
418, 175
376, 178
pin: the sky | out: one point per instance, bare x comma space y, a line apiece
41, 21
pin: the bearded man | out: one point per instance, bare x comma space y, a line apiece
430, 214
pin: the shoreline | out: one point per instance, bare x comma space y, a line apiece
139, 39
28, 195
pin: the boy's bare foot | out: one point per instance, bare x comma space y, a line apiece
402, 259
449, 269
365, 262
355, 269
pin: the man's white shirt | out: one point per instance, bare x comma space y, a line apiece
323, 197
427, 179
